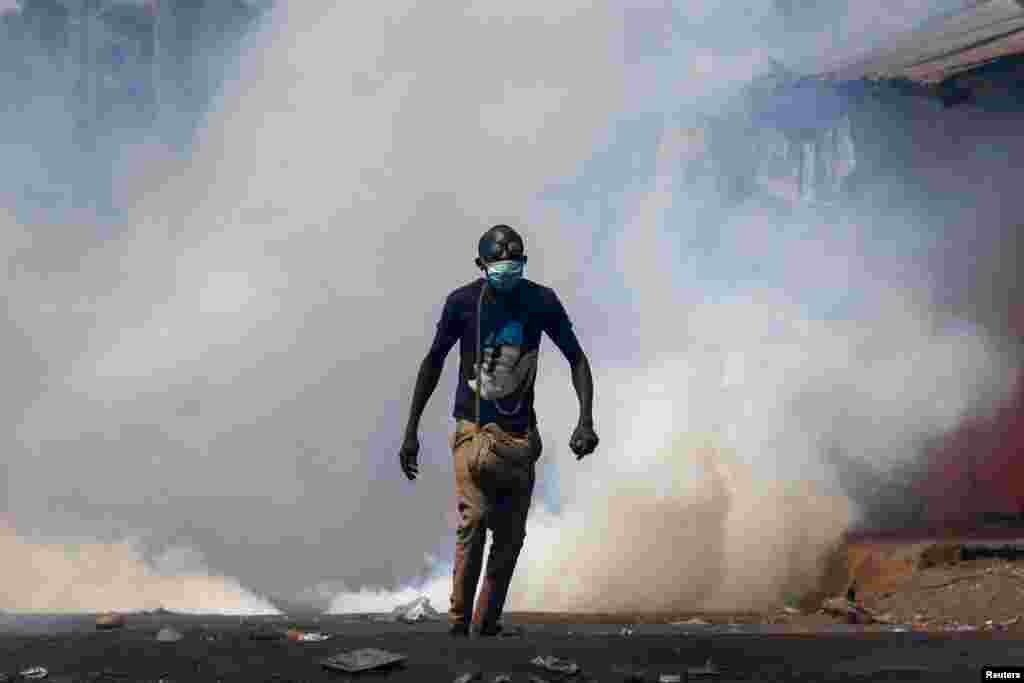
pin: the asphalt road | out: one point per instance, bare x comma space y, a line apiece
221, 649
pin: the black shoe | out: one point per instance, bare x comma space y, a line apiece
458, 631
490, 631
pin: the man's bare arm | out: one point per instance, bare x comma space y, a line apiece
583, 383
426, 381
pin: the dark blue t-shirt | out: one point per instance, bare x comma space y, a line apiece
512, 326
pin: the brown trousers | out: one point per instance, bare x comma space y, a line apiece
491, 493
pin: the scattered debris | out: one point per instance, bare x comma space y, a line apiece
295, 635
562, 666
709, 669
669, 678
626, 631
34, 673
854, 613
416, 611
362, 660
110, 621
168, 635
502, 678
536, 679
470, 677
790, 610
314, 637
961, 627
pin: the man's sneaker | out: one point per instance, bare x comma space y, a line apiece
458, 631
490, 631
499, 630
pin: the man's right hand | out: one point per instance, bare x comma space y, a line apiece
407, 456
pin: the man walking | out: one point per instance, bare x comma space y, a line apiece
497, 320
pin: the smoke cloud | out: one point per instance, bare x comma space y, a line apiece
230, 371
58, 575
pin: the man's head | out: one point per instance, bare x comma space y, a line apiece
501, 255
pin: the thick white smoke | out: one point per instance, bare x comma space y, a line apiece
243, 357
64, 575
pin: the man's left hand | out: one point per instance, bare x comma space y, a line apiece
583, 441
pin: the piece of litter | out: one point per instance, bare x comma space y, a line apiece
536, 679
790, 610
110, 620
563, 666
306, 636
34, 673
470, 677
669, 678
168, 635
315, 637
626, 631
502, 678
362, 660
853, 612
416, 611
708, 669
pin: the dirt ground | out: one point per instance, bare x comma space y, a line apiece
927, 585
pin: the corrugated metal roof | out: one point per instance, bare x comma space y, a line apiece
952, 44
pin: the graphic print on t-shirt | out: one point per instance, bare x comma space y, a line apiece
505, 371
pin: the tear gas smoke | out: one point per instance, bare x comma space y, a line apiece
242, 357
58, 575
